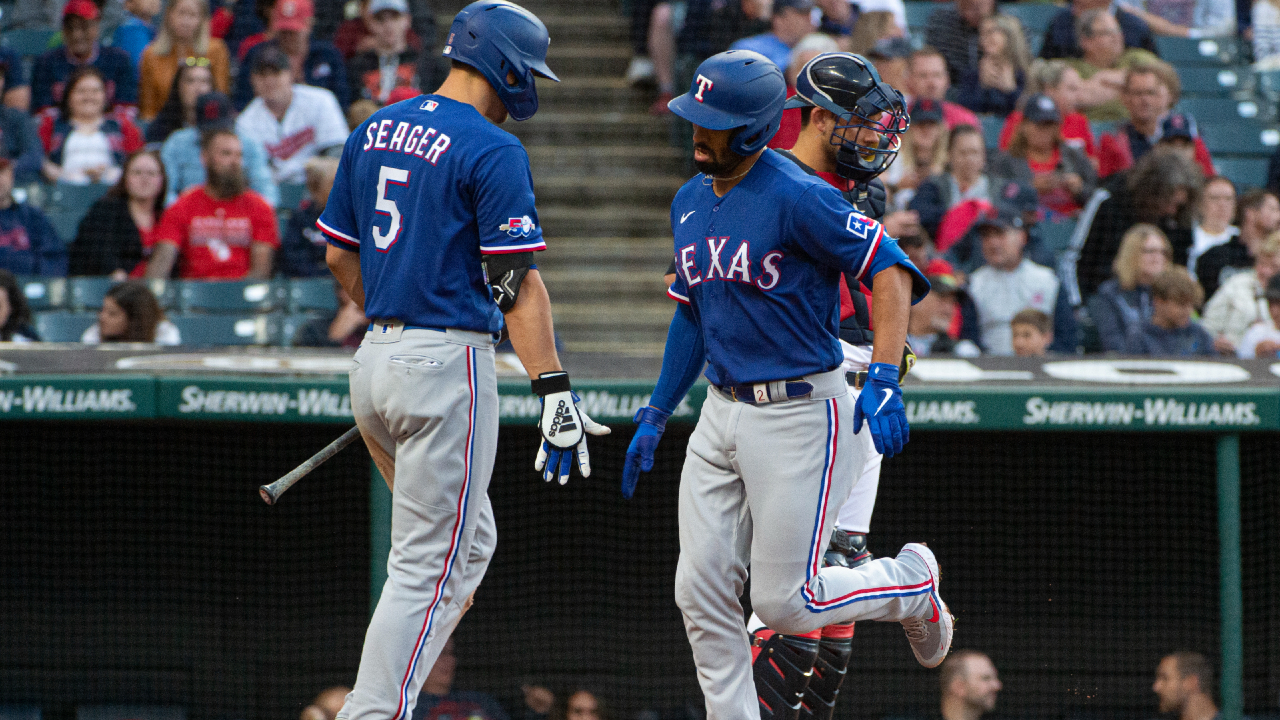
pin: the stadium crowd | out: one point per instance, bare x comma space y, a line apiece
1065, 203
1061, 204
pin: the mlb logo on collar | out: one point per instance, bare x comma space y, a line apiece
429, 106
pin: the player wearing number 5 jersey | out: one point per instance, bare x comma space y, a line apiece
432, 229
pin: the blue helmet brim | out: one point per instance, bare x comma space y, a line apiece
795, 101
705, 116
543, 71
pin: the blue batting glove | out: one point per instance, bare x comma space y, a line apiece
652, 423
880, 404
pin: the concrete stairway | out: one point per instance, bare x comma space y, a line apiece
604, 173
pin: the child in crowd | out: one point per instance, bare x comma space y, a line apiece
1032, 333
1171, 332
131, 313
1262, 339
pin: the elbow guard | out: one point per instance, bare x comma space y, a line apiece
505, 274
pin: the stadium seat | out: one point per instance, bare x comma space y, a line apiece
19, 712
28, 42
991, 127
1242, 139
1035, 17
312, 295
918, 13
67, 205
289, 326
131, 712
1244, 172
233, 296
43, 293
227, 329
1209, 111
87, 292
1210, 82
291, 195
1179, 51
63, 326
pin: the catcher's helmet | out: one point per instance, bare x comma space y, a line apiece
736, 89
848, 86
497, 37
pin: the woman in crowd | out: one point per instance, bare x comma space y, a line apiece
994, 85
131, 313
1062, 83
179, 111
183, 40
965, 178
82, 142
922, 155
1240, 301
15, 315
1123, 303
114, 234
1039, 156
1162, 189
1213, 220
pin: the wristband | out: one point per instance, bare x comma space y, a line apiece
551, 382
883, 372
653, 416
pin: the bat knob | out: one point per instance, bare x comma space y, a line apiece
267, 497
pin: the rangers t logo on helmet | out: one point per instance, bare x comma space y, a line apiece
703, 85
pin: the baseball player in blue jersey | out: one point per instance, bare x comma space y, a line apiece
760, 246
432, 229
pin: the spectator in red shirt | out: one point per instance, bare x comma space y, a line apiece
927, 78
1062, 84
1038, 156
84, 144
219, 230
1151, 89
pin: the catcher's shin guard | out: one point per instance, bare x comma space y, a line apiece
857, 551
847, 550
834, 650
781, 666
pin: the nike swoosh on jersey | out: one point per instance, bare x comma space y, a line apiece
887, 394
686, 216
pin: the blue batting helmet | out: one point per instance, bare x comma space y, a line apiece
736, 89
497, 37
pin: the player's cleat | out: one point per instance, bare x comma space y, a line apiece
834, 650
782, 666
929, 635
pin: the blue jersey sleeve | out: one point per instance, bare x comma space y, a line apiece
503, 190
833, 232
679, 290
338, 221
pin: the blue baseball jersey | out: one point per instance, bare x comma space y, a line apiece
425, 188
760, 268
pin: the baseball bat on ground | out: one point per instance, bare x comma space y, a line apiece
271, 493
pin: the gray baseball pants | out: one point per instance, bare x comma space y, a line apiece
761, 486
430, 399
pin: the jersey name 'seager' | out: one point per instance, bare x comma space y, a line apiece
760, 268
425, 188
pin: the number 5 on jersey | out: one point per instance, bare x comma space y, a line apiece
387, 206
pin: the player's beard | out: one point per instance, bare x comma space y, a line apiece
226, 184
720, 165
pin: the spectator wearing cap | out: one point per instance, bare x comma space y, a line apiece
138, 29
1063, 85
303, 247
179, 111
83, 143
1241, 300
390, 62
966, 179
1262, 339
28, 243
1162, 189
220, 230
1259, 218
1039, 156
1123, 303
311, 62
80, 35
184, 39
293, 122
891, 57
355, 35
1103, 65
927, 78
1185, 18
111, 237
1150, 90
930, 325
183, 160
955, 32
791, 21
1008, 283
923, 152
994, 83
1061, 41
1171, 332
